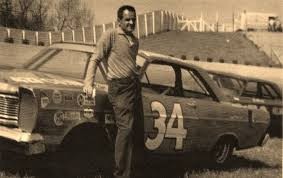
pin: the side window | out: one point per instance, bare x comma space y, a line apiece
66, 62
250, 90
267, 92
158, 78
193, 85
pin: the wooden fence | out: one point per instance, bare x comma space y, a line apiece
147, 24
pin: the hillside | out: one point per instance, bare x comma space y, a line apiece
270, 43
227, 47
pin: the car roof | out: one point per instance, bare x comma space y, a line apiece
84, 47
150, 57
91, 48
236, 76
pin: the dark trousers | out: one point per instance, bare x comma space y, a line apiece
125, 96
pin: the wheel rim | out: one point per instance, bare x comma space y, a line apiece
222, 152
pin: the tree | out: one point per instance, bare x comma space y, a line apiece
39, 14
6, 13
24, 15
71, 14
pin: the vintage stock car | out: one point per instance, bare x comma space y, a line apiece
43, 109
253, 92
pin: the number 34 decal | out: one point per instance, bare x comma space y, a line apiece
179, 133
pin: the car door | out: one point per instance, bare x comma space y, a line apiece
166, 115
213, 118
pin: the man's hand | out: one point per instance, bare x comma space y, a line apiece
89, 90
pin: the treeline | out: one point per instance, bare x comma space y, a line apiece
45, 15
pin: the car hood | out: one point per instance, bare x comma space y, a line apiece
15, 78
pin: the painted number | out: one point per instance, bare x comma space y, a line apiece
179, 133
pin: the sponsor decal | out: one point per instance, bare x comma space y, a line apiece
83, 100
68, 97
88, 113
59, 118
177, 132
44, 101
57, 97
277, 111
235, 117
236, 98
257, 100
72, 115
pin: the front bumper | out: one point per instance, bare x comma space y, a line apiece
15, 140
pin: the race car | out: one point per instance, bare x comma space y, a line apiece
44, 110
253, 92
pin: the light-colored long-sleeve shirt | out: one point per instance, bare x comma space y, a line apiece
117, 51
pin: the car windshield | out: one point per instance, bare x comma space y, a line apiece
17, 57
65, 62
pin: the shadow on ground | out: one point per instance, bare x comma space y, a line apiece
41, 168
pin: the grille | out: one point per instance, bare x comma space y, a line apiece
9, 108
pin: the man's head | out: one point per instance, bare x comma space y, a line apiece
127, 18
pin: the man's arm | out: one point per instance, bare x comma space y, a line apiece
103, 49
90, 76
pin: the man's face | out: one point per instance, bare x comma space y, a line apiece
128, 22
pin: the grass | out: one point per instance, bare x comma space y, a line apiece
216, 46
256, 162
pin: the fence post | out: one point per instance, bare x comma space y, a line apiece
36, 38
73, 36
94, 34
223, 28
23, 34
174, 21
145, 25
201, 23
170, 21
162, 21
83, 30
114, 24
138, 27
62, 36
50, 38
8, 33
103, 28
153, 23
217, 21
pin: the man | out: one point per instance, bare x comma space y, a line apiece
117, 50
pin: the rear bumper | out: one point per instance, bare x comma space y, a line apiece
15, 140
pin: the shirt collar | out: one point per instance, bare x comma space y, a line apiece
120, 31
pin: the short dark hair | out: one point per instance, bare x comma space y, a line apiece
122, 8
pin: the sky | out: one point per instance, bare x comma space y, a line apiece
105, 10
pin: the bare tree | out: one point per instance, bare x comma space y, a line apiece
6, 13
71, 14
39, 13
24, 15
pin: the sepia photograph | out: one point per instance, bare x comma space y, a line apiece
141, 88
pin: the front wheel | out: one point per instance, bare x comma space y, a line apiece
222, 152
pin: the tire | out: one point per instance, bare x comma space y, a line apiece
222, 152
